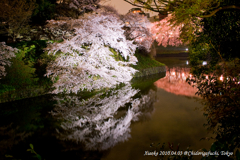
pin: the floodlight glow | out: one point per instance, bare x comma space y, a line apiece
204, 63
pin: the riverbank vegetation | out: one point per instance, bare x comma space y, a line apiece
145, 61
210, 28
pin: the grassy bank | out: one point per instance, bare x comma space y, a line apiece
145, 61
147, 66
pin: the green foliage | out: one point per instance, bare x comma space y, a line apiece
56, 79
200, 51
34, 152
32, 49
117, 56
221, 100
219, 39
6, 88
31, 149
145, 61
45, 10
35, 56
28, 64
220, 34
19, 74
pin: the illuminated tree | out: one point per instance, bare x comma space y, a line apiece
73, 8
98, 56
6, 53
138, 29
84, 4
165, 34
187, 14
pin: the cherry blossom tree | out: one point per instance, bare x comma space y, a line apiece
6, 53
84, 4
166, 34
185, 13
81, 5
86, 61
138, 29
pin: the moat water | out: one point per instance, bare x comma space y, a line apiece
156, 113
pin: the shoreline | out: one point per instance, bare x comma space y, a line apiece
39, 91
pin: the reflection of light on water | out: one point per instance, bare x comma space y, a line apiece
175, 82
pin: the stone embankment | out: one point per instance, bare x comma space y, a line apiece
150, 71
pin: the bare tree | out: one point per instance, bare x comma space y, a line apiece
15, 15
84, 5
159, 6
81, 5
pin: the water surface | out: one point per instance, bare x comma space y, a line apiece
119, 123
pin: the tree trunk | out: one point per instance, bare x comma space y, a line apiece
14, 38
162, 15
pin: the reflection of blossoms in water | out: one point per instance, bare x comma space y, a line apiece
11, 137
145, 105
96, 122
175, 82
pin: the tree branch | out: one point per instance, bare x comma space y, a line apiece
219, 9
144, 3
156, 5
